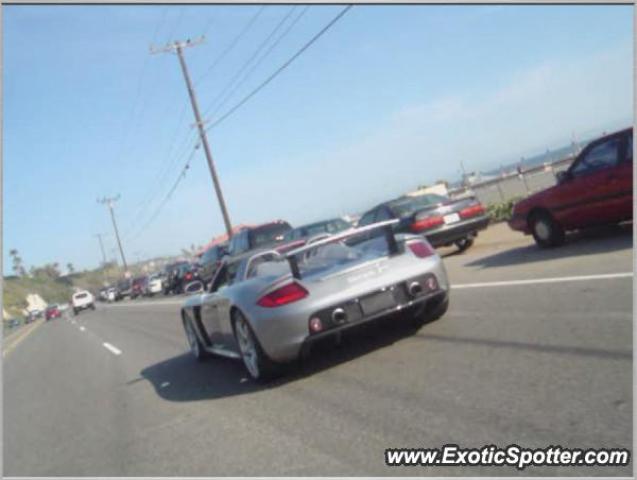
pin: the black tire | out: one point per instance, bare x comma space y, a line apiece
545, 230
75, 312
431, 313
259, 367
196, 348
92, 306
464, 243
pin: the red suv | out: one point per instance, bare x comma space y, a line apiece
596, 189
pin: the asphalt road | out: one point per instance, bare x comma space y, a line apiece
533, 361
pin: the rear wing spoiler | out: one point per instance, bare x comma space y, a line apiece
386, 226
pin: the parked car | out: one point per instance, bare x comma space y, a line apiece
82, 300
299, 235
124, 288
52, 311
139, 286
210, 261
443, 221
181, 276
111, 294
154, 285
268, 308
596, 189
261, 236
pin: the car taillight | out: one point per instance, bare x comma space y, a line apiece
188, 276
289, 293
472, 211
426, 223
421, 249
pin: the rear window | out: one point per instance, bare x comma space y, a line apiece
81, 295
410, 205
268, 234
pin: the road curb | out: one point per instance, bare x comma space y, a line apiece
10, 343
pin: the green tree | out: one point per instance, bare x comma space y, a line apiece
18, 267
70, 268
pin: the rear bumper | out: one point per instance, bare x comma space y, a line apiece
450, 233
284, 335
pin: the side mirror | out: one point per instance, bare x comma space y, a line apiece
563, 176
193, 287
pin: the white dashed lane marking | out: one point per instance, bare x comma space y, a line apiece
512, 283
112, 349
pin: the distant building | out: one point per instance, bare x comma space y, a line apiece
34, 302
439, 188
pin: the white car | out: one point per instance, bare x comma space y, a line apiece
111, 294
154, 285
82, 300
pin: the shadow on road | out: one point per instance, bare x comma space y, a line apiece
583, 242
183, 379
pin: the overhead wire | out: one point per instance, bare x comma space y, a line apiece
247, 74
247, 63
278, 71
231, 45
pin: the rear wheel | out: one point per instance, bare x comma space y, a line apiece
546, 231
75, 310
92, 306
464, 243
196, 348
255, 360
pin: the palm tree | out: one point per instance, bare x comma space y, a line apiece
18, 268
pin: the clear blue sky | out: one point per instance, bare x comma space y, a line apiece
391, 97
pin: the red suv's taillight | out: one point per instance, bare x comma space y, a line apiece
421, 249
425, 223
289, 293
188, 276
472, 211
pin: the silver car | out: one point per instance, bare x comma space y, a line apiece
267, 308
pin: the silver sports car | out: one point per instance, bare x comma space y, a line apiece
267, 308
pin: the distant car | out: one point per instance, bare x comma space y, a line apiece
597, 189
82, 300
139, 286
443, 221
52, 311
154, 285
169, 275
210, 261
269, 308
124, 288
299, 235
181, 276
14, 322
111, 294
261, 236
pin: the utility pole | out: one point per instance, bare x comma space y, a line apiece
178, 47
99, 237
109, 201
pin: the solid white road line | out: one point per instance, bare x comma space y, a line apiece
512, 283
113, 349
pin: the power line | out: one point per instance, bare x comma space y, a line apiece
260, 60
280, 69
232, 44
247, 63
180, 177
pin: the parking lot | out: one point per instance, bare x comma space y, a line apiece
536, 350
